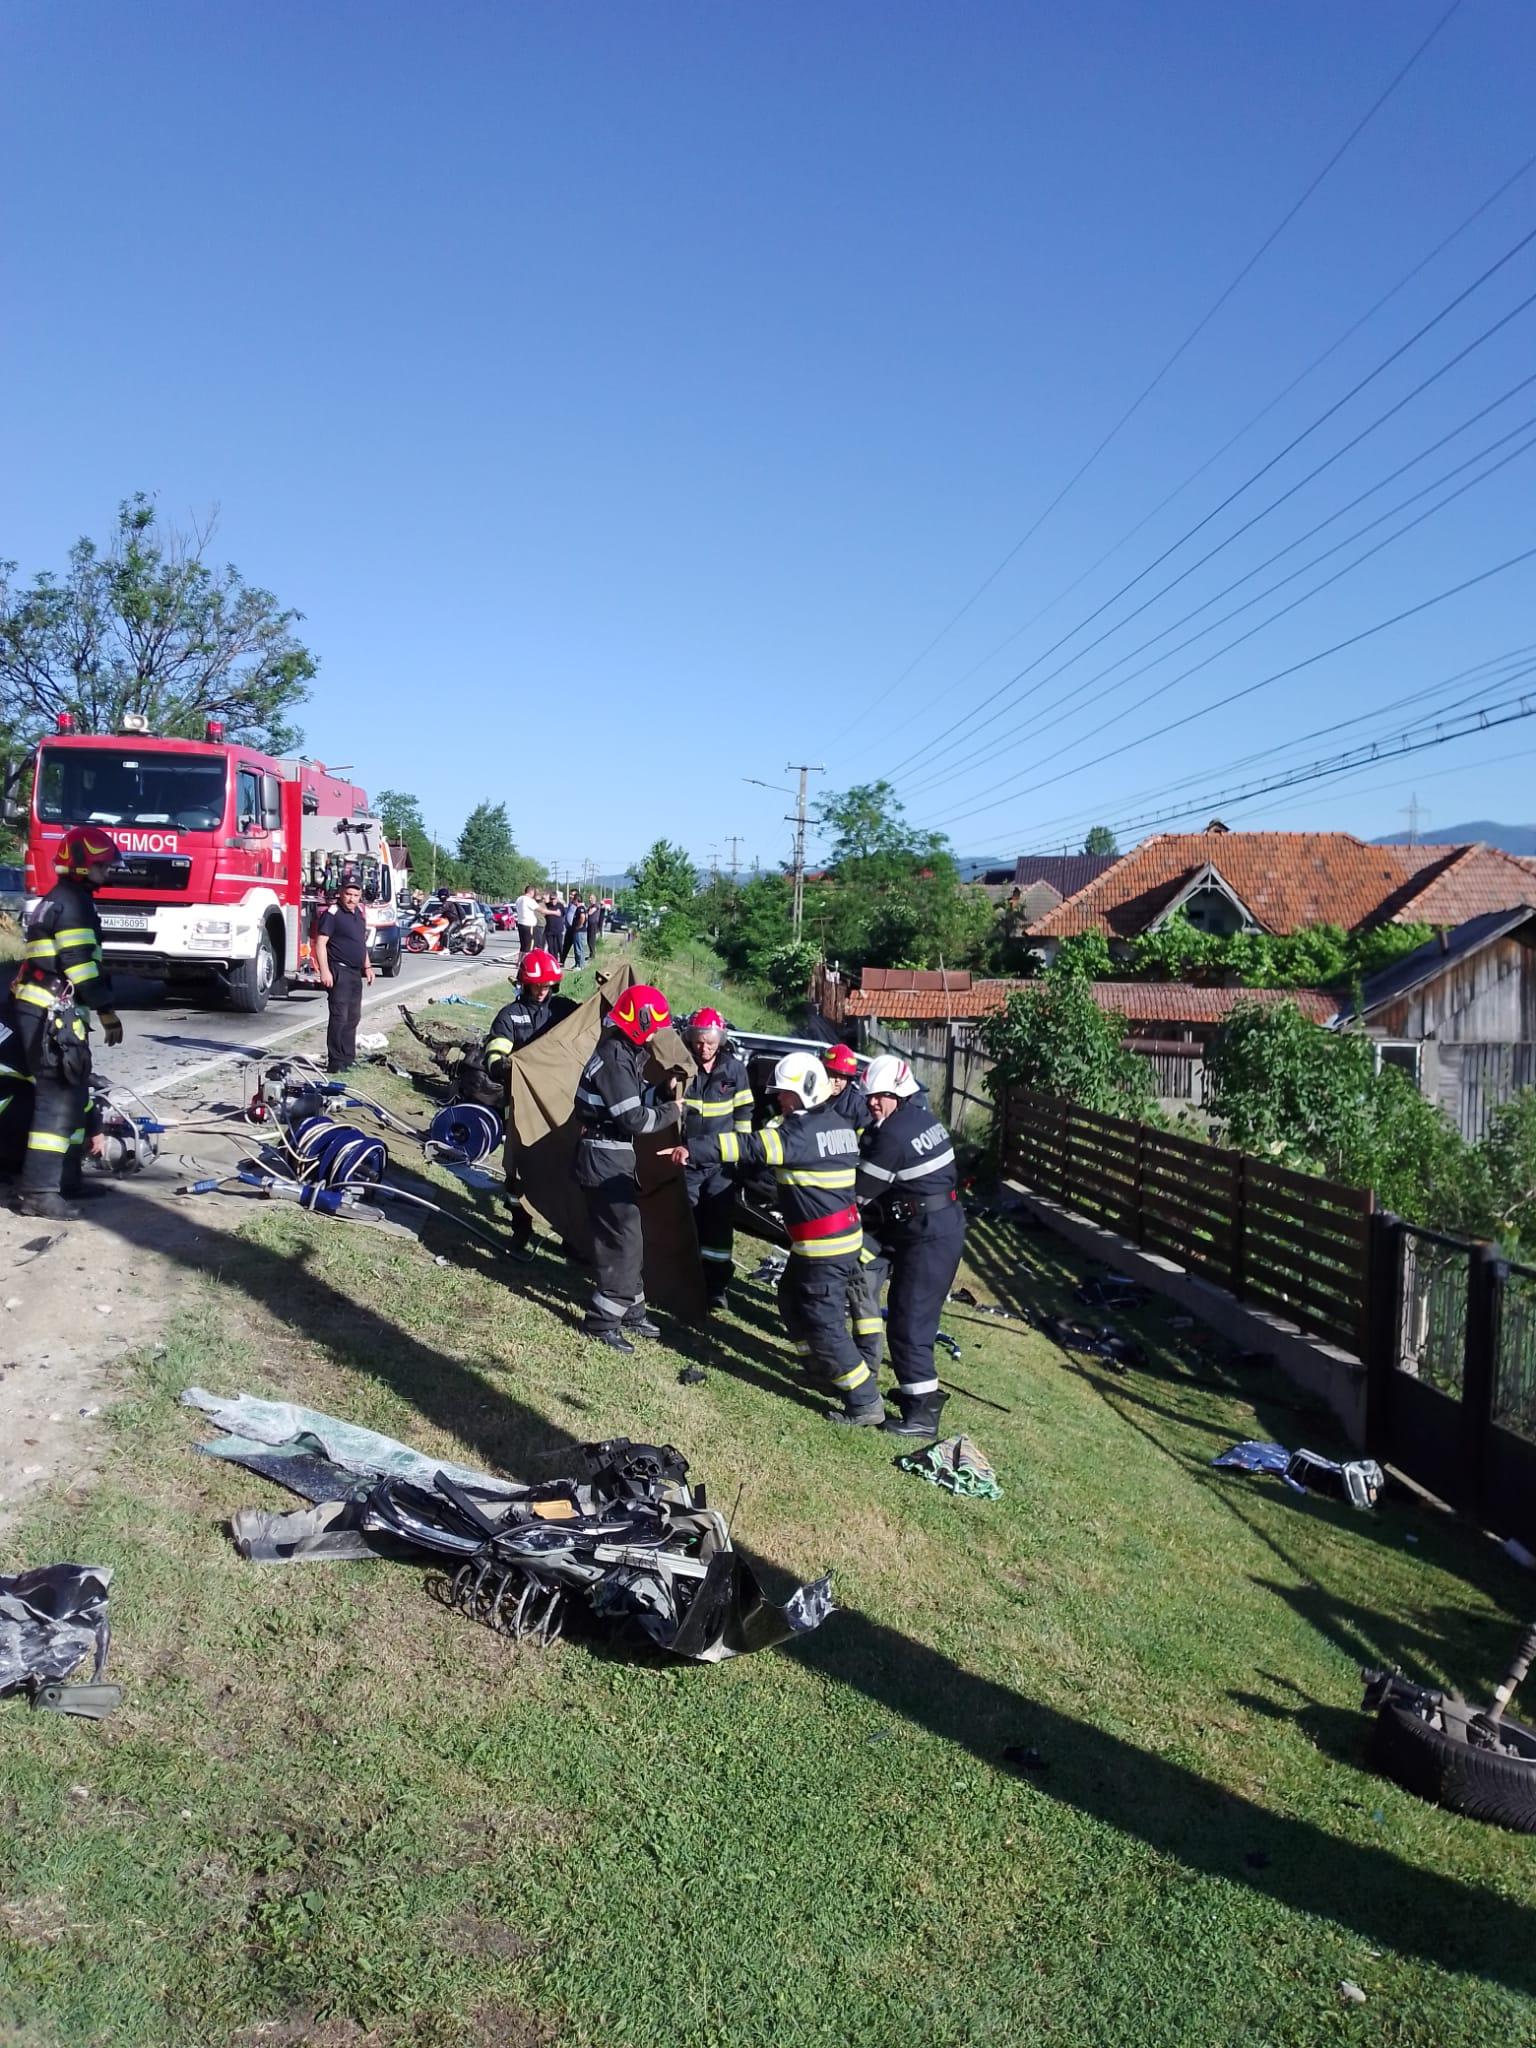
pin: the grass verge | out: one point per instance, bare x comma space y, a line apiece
330, 1812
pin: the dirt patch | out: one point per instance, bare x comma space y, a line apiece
491, 1938
299, 2031
37, 1922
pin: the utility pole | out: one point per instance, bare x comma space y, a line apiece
735, 838
1413, 811
806, 770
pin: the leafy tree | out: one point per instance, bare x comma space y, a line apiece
788, 972
1320, 956
1084, 956
758, 925
146, 626
400, 814
489, 857
1509, 1157
665, 879
894, 897
1311, 1099
866, 823
1101, 840
1054, 1039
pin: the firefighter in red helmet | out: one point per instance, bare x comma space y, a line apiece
615, 1105
61, 982
537, 1005
718, 1098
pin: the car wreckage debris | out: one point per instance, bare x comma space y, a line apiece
1358, 1480
51, 1619
956, 1464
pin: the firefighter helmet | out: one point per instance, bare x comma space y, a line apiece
640, 1012
802, 1074
82, 848
841, 1060
706, 1024
888, 1075
539, 969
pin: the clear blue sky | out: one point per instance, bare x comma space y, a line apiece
626, 394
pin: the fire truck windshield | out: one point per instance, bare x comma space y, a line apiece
107, 786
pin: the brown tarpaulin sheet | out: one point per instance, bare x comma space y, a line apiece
542, 1089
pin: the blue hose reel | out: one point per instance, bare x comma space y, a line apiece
333, 1155
468, 1131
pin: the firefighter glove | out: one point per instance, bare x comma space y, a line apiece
112, 1026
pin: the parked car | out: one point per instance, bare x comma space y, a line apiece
501, 917
13, 893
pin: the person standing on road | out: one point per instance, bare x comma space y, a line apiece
61, 980
341, 957
576, 932
527, 916
717, 1099
554, 924
909, 1183
615, 1105
595, 922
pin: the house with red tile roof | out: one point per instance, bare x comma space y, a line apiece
1283, 882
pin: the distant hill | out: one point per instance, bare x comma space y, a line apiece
1508, 838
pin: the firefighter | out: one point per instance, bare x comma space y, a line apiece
615, 1105
909, 1181
814, 1154
537, 1005
61, 981
873, 1270
842, 1065
717, 1099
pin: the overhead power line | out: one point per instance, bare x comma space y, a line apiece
1317, 362
1068, 704
1265, 682
1247, 484
1494, 672
1189, 340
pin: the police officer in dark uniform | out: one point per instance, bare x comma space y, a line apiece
61, 982
873, 1270
531, 1012
814, 1154
717, 1098
615, 1105
909, 1182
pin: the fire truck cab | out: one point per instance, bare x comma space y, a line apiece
228, 853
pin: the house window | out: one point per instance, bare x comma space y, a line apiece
1406, 1054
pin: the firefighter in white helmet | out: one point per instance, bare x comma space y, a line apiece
909, 1184
814, 1155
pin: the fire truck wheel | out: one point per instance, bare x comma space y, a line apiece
251, 982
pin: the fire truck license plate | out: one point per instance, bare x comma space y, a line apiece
124, 920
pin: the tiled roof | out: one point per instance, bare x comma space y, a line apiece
1289, 880
914, 977
1165, 1002
1066, 873
1476, 881
1182, 1002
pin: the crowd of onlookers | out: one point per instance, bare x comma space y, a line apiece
562, 926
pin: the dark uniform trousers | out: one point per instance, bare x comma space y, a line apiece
864, 1285
618, 1252
345, 999
712, 1195
925, 1257
57, 1137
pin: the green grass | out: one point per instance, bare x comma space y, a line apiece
332, 1812
692, 979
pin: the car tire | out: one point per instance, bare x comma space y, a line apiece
473, 945
392, 966
250, 984
1485, 1784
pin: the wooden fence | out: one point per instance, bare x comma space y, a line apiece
1284, 1241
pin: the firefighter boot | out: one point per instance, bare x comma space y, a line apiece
46, 1203
641, 1326
608, 1333
919, 1414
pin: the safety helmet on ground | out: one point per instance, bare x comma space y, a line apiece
640, 1012
802, 1074
706, 1024
539, 969
82, 847
888, 1075
841, 1060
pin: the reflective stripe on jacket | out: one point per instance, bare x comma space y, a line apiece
910, 1156
718, 1101
63, 951
814, 1154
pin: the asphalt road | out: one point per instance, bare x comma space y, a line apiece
168, 1040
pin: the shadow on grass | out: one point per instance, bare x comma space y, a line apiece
1172, 1809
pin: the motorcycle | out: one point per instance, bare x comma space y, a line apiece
440, 933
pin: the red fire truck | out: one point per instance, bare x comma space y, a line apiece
229, 854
